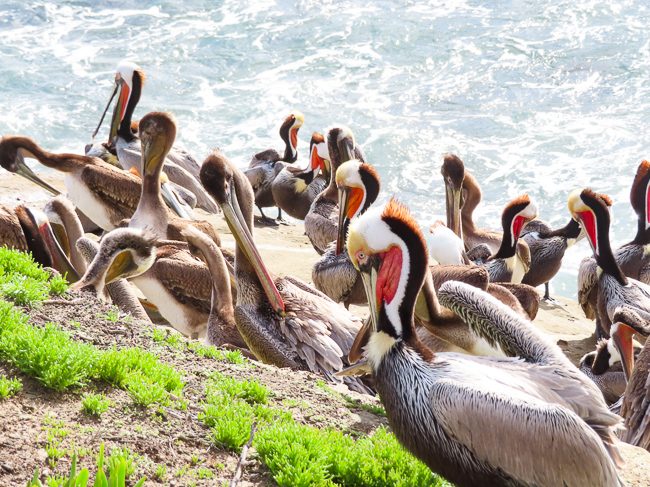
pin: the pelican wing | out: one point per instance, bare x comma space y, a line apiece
587, 282
187, 279
636, 403
114, 186
182, 177
258, 174
185, 160
12, 233
321, 331
538, 443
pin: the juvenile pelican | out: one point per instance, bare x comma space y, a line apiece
265, 166
472, 419
180, 166
612, 288
321, 223
284, 321
294, 189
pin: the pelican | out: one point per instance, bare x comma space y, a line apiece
506, 265
168, 276
475, 420
67, 229
28, 230
294, 189
612, 288
221, 330
547, 249
120, 291
633, 258
321, 223
265, 166
157, 132
284, 321
180, 166
333, 274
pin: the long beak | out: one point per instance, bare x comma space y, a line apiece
453, 197
118, 110
122, 266
171, 200
59, 260
346, 148
356, 350
61, 237
240, 231
344, 201
153, 152
622, 337
27, 173
106, 109
326, 169
369, 277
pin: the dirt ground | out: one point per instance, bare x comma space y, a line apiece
171, 439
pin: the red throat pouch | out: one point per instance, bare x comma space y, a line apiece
389, 274
356, 198
589, 222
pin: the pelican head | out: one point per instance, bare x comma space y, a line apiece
123, 253
129, 80
232, 191
386, 245
319, 156
358, 185
453, 174
289, 133
590, 210
157, 133
340, 144
12, 158
517, 214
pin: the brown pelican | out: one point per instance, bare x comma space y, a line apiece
321, 223
265, 166
506, 265
67, 228
547, 249
180, 166
633, 258
28, 230
222, 330
294, 189
471, 419
168, 276
333, 274
613, 289
284, 321
157, 132
120, 291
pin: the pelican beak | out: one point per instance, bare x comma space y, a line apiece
59, 259
115, 87
356, 350
120, 107
61, 237
344, 202
24, 170
346, 148
239, 228
153, 149
172, 201
369, 274
123, 266
622, 336
453, 202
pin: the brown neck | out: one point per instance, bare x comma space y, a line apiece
473, 197
73, 229
60, 162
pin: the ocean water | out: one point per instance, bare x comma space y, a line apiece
536, 97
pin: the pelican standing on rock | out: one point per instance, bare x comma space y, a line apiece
265, 166
295, 189
284, 321
471, 419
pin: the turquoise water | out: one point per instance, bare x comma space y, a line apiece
534, 97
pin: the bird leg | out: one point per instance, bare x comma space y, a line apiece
548, 299
266, 220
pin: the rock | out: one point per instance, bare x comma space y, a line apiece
41, 455
637, 469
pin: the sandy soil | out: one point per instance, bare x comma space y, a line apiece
286, 250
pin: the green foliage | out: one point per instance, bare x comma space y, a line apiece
249, 390
144, 391
123, 457
9, 387
116, 478
161, 472
209, 351
95, 404
302, 456
49, 355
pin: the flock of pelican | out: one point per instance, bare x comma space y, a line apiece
470, 386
